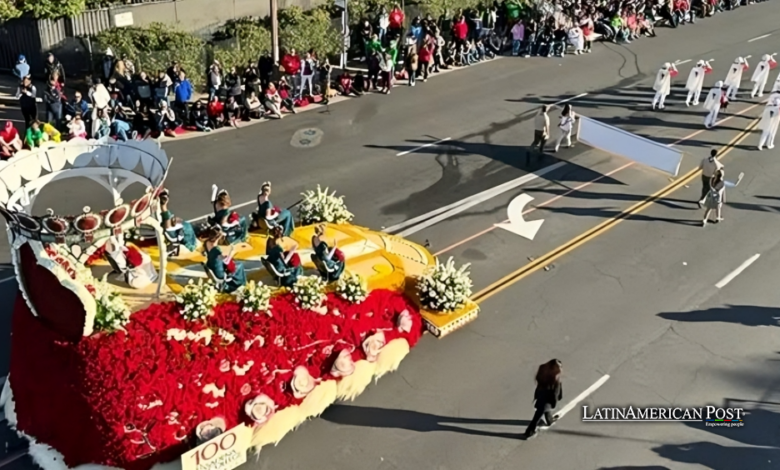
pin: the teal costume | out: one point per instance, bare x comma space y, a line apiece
275, 258
184, 231
235, 234
330, 269
284, 219
216, 264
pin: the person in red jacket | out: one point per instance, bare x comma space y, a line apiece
216, 112
425, 57
291, 63
396, 21
460, 30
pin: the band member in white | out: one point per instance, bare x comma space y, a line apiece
734, 77
663, 84
712, 104
776, 86
770, 119
761, 75
696, 82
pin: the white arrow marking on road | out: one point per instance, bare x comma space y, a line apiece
518, 225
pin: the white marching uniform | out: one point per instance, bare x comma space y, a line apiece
712, 104
734, 77
696, 82
761, 76
770, 119
776, 86
663, 85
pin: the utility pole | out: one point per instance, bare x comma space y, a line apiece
275, 29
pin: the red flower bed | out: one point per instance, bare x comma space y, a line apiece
132, 399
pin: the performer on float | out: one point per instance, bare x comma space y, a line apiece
696, 82
272, 215
663, 84
329, 261
223, 268
234, 226
174, 226
761, 75
734, 77
770, 119
713, 103
135, 265
287, 264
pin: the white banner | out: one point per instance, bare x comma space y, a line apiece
627, 145
224, 452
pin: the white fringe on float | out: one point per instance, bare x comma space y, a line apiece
283, 422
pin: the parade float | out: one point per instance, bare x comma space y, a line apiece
106, 372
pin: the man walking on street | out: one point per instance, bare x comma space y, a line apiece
541, 134
708, 166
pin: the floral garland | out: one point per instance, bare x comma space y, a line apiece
444, 288
146, 388
309, 292
197, 301
352, 288
255, 297
319, 206
112, 311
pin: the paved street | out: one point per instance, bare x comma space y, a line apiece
648, 300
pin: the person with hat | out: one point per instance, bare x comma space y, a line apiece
734, 77
175, 226
270, 214
234, 226
231, 273
761, 75
22, 68
109, 62
708, 167
663, 84
713, 103
770, 119
696, 82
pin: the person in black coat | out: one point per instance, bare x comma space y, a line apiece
549, 392
54, 68
52, 98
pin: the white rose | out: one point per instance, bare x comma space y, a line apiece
373, 345
260, 408
302, 382
208, 430
344, 365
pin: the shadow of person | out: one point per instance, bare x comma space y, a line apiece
747, 315
416, 421
718, 457
640, 467
762, 428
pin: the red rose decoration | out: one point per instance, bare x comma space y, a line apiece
233, 217
231, 266
295, 260
339, 255
276, 210
134, 257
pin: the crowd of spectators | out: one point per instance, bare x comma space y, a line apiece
127, 103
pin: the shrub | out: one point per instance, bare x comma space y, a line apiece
313, 29
240, 42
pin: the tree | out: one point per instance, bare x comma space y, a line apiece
312, 29
9, 10
52, 9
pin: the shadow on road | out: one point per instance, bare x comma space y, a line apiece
416, 421
747, 315
718, 457
640, 467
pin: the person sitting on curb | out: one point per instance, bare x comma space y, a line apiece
10, 142
34, 136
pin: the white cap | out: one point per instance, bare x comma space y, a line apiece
109, 52
719, 84
701, 63
667, 65
765, 57
739, 60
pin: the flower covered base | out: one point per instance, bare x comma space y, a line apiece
132, 399
442, 324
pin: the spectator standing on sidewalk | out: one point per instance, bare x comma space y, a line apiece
541, 133
52, 99
266, 68
411, 63
291, 64
308, 70
183, 94
549, 391
22, 68
425, 58
214, 78
53, 66
28, 101
383, 24
518, 36
366, 34
716, 196
708, 166
386, 66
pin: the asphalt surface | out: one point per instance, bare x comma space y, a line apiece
636, 301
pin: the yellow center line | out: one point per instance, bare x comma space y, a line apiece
583, 238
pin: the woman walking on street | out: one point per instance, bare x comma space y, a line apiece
548, 392
565, 125
715, 198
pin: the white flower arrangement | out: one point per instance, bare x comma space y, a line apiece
309, 292
112, 313
319, 206
255, 297
352, 288
197, 300
444, 288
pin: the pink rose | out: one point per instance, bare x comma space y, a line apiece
260, 408
327, 350
246, 389
373, 345
404, 322
344, 365
224, 366
302, 382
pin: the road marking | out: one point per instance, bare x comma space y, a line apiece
733, 274
680, 62
603, 227
570, 99
570, 406
586, 184
518, 225
7, 279
760, 37
436, 216
423, 147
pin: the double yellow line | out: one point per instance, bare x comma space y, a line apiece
572, 244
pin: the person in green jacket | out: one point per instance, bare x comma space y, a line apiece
393, 51
374, 45
34, 135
